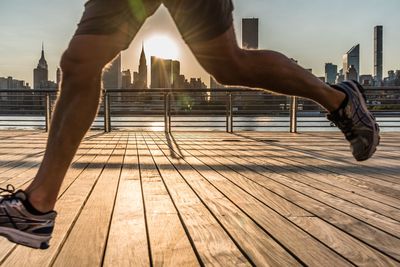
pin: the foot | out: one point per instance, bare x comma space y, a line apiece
356, 122
19, 225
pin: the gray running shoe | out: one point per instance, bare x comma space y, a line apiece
356, 122
19, 225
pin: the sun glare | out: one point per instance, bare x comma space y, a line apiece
162, 46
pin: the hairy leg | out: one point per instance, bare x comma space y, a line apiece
75, 111
263, 69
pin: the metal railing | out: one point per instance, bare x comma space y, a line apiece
229, 109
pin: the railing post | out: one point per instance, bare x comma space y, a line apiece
293, 114
107, 116
169, 113
230, 113
227, 103
166, 112
48, 111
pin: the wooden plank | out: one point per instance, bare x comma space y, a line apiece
284, 186
92, 225
325, 232
304, 174
357, 252
127, 241
291, 238
68, 207
169, 243
212, 243
333, 183
340, 153
328, 183
5, 246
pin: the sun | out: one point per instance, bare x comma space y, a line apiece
161, 46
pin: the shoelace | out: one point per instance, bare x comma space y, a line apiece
7, 193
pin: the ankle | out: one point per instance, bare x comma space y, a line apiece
39, 202
334, 99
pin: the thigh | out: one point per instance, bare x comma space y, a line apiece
218, 53
89, 53
125, 17
201, 20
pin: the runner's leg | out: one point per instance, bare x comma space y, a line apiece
75, 111
106, 28
270, 70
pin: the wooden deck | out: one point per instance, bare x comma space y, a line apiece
190, 199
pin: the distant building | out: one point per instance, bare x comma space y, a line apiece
112, 74
10, 83
351, 73
126, 79
196, 83
164, 72
352, 57
41, 73
250, 33
366, 80
176, 72
214, 86
140, 77
58, 77
331, 72
393, 78
378, 54
340, 76
181, 82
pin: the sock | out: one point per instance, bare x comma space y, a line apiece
32, 209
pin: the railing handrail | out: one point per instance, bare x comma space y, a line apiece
178, 90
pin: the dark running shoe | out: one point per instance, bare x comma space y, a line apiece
356, 122
19, 225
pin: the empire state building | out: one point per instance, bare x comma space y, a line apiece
41, 73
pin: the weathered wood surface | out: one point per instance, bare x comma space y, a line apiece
214, 199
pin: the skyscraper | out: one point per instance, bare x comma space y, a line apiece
330, 73
112, 75
142, 79
250, 33
352, 57
378, 53
58, 77
351, 73
126, 79
41, 73
164, 72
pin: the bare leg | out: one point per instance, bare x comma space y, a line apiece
262, 69
75, 111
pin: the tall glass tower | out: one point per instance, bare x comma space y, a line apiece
378, 53
352, 58
250, 33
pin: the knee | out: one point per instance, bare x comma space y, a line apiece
76, 69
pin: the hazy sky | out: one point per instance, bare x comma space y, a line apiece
311, 31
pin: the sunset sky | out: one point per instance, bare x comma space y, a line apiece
311, 31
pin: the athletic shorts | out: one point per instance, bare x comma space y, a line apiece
197, 20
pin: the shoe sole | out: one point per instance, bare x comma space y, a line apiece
376, 138
25, 239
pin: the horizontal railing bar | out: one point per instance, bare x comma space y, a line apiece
167, 90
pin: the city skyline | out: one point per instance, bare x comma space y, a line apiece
321, 38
